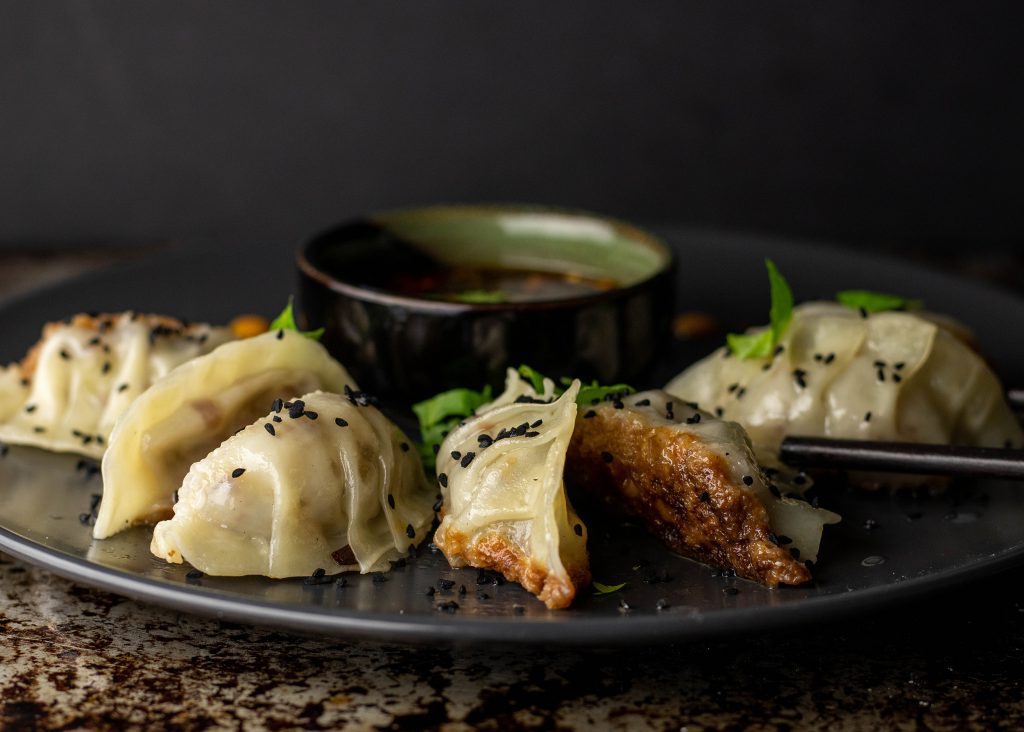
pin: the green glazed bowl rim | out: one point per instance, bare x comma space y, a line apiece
624, 229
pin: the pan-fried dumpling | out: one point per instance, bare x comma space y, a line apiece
504, 504
325, 481
838, 373
81, 376
694, 482
183, 416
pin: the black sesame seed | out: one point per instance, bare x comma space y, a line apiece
694, 419
705, 497
30, 408
410, 531
193, 574
618, 404
767, 366
899, 365
462, 590
863, 313
456, 455
536, 424
277, 418
867, 416
783, 540
590, 413
94, 341
794, 552
403, 446
733, 387
122, 387
106, 367
521, 430
774, 490
607, 457
40, 430
801, 378
297, 409
778, 349
237, 472
437, 504
484, 440
280, 334
64, 354
719, 412
270, 429
578, 529
740, 392
897, 378
830, 358
391, 501
276, 405
442, 478
467, 459
310, 415
340, 422
86, 519
881, 375
748, 480
879, 364
445, 584
818, 357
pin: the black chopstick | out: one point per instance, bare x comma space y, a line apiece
904, 457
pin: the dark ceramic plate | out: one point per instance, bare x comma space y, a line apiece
917, 544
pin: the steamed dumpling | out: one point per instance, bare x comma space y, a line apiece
183, 416
696, 485
332, 485
81, 376
887, 376
504, 504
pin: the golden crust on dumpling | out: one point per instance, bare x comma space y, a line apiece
683, 490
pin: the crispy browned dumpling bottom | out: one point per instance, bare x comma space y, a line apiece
682, 492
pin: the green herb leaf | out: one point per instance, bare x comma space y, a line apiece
875, 302
286, 321
535, 378
750, 345
759, 345
607, 589
594, 391
441, 413
479, 296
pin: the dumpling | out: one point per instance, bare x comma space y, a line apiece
183, 416
838, 373
695, 483
504, 503
81, 376
325, 481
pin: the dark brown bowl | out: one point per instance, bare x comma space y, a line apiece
405, 348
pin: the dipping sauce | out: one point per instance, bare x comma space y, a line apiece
482, 285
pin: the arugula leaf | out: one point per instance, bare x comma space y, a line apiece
875, 302
761, 344
588, 392
286, 321
535, 378
607, 589
441, 413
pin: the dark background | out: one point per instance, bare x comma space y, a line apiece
893, 125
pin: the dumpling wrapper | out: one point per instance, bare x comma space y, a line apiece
68, 392
315, 494
695, 483
889, 376
189, 412
504, 502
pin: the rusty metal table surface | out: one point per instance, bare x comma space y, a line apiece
76, 658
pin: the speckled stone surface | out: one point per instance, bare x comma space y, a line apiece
75, 658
